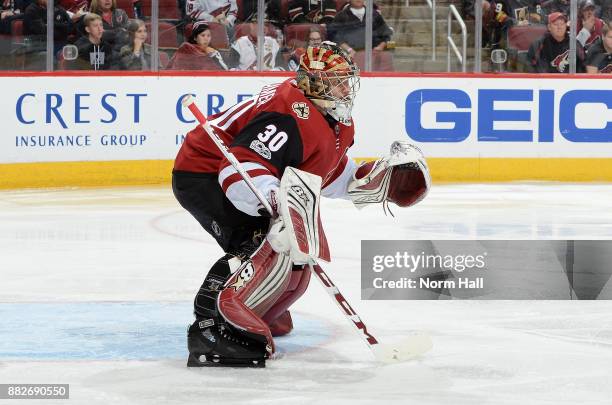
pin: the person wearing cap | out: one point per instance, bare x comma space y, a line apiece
550, 53
599, 59
196, 53
589, 26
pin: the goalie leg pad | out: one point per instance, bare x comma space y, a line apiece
252, 290
278, 316
298, 202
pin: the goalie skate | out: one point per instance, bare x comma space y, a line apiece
216, 345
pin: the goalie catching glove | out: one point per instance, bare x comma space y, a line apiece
401, 178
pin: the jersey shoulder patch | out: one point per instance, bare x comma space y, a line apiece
301, 109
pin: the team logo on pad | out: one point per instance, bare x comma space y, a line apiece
301, 109
244, 276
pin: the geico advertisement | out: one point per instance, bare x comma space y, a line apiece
128, 118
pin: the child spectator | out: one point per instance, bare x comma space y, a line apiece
550, 54
136, 55
197, 54
114, 22
94, 52
314, 39
599, 58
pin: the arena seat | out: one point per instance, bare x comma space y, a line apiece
167, 35
168, 9
218, 33
163, 60
382, 61
17, 31
241, 30
296, 35
520, 37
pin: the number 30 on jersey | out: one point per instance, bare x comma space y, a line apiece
268, 141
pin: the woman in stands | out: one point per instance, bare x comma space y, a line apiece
136, 55
197, 54
314, 39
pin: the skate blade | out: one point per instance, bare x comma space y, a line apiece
216, 361
404, 350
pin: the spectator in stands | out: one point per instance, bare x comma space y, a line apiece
314, 39
552, 6
348, 28
243, 53
247, 12
604, 9
518, 12
94, 51
312, 11
197, 54
136, 55
219, 11
599, 58
589, 27
35, 26
76, 9
550, 54
114, 22
11, 10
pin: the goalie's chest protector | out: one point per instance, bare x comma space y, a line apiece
321, 142
278, 128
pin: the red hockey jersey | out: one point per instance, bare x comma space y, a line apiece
278, 128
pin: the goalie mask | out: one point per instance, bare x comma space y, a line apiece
330, 79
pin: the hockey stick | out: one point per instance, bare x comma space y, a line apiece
408, 348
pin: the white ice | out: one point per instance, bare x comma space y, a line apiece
96, 284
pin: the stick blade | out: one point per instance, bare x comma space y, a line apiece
404, 350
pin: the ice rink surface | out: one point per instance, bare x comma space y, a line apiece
96, 288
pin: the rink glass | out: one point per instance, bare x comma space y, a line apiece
416, 43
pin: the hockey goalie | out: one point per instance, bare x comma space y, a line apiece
292, 139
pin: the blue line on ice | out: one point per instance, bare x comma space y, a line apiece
116, 331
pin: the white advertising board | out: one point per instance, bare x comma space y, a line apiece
101, 118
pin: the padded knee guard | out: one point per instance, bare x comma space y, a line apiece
277, 317
253, 289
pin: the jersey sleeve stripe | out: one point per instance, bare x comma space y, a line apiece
225, 119
237, 177
229, 169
